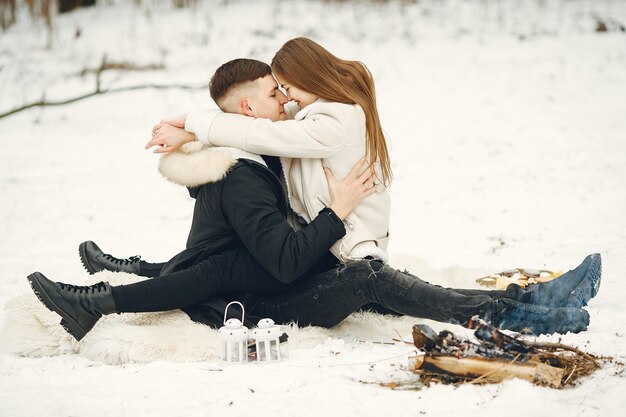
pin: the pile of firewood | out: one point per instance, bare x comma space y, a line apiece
519, 276
496, 356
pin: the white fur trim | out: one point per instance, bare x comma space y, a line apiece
195, 164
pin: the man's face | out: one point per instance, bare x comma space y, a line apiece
266, 101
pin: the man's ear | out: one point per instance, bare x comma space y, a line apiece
244, 107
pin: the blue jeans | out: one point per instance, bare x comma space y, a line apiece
327, 298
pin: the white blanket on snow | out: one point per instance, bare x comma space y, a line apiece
30, 329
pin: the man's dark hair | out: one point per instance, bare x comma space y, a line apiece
234, 73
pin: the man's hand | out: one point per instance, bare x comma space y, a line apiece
169, 138
347, 194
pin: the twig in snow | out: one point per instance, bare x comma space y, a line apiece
43, 102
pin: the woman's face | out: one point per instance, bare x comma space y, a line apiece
300, 97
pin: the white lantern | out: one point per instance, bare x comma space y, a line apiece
267, 339
233, 338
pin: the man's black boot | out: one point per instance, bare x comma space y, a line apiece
79, 306
94, 260
572, 289
512, 315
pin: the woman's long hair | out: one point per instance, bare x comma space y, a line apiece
310, 67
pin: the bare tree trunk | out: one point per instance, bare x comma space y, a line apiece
7, 13
46, 13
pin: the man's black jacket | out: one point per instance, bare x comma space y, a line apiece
248, 208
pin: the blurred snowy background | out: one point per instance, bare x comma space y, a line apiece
507, 123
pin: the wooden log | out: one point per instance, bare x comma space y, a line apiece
487, 369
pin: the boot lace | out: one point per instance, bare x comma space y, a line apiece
123, 262
83, 289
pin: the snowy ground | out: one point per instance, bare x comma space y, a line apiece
508, 130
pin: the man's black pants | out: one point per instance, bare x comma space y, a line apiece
320, 299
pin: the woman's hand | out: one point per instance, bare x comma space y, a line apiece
345, 195
168, 138
177, 121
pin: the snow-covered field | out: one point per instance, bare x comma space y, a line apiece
508, 129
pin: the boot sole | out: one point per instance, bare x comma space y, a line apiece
581, 295
69, 324
596, 276
83, 259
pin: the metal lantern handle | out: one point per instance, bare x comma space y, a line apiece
243, 311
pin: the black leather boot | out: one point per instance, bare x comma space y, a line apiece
79, 306
94, 260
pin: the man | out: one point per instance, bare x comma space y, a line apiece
242, 247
